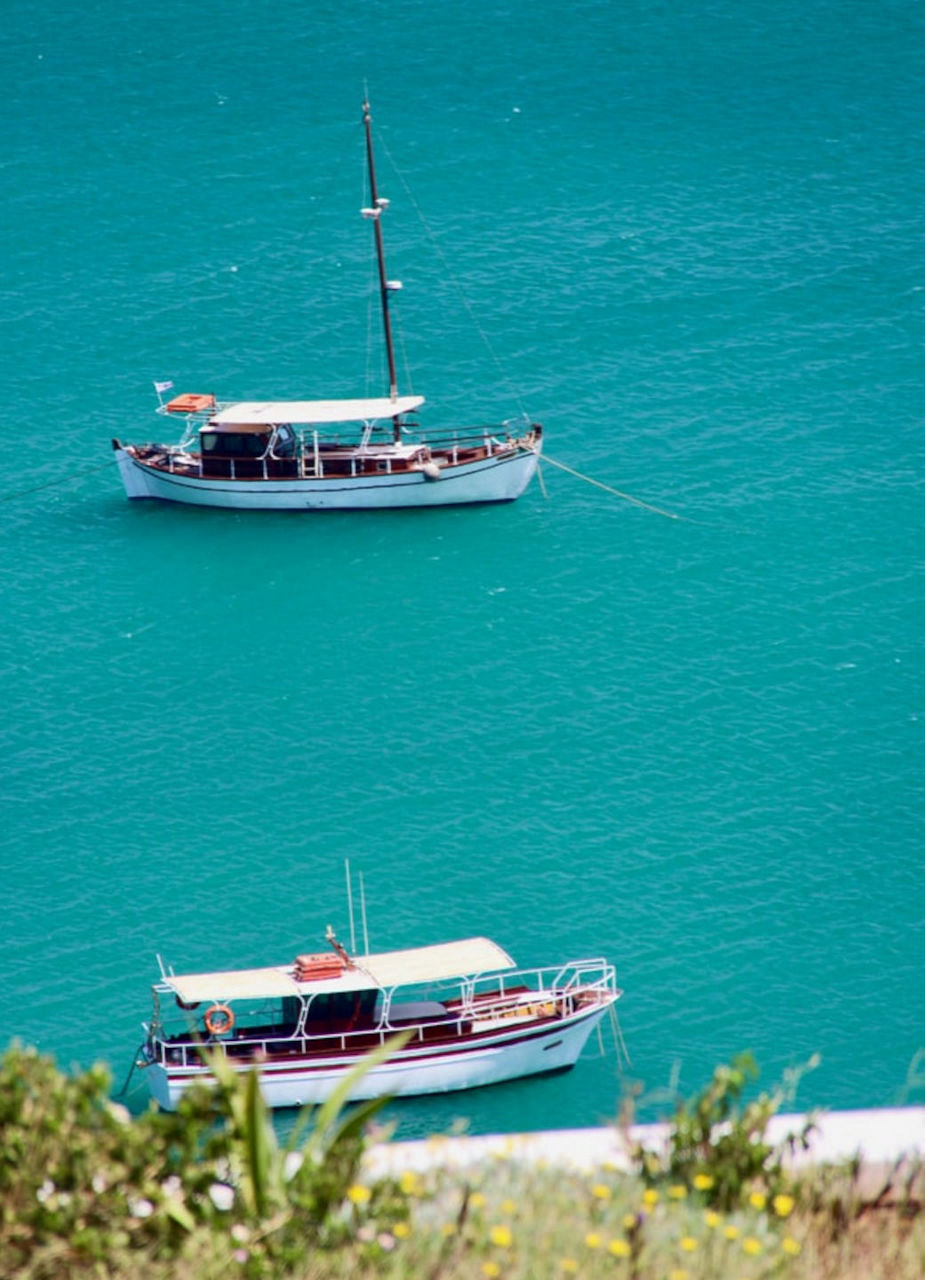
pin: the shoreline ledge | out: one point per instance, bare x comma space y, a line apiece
879, 1136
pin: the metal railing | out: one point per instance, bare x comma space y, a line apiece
524, 994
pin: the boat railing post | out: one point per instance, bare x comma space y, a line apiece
233, 476
317, 456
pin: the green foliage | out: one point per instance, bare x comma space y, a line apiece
84, 1187
720, 1141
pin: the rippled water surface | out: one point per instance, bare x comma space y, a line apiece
688, 239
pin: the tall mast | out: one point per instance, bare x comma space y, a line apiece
375, 212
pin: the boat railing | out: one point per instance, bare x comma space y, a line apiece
551, 991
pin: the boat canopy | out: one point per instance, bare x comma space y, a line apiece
314, 412
388, 969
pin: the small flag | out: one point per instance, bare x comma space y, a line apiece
163, 386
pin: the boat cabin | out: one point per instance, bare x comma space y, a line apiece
248, 450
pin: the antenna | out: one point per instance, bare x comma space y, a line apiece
363, 916
353, 935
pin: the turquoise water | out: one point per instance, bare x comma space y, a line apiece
691, 237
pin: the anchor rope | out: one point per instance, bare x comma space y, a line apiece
51, 484
618, 493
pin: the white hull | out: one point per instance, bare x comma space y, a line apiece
500, 478
416, 1070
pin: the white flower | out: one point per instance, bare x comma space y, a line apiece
292, 1164
45, 1191
240, 1233
221, 1195
140, 1208
98, 1183
120, 1113
170, 1186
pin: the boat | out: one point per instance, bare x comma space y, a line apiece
365, 453
470, 1015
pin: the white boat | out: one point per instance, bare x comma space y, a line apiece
282, 455
472, 1016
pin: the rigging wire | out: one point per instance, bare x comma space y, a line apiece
435, 243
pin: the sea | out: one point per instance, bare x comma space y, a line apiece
667, 708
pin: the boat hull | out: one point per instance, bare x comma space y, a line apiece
499, 478
416, 1070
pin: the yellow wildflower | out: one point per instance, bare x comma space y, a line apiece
688, 1244
448, 1229
783, 1205
409, 1183
593, 1240
358, 1194
677, 1192
650, 1197
619, 1249
751, 1246
501, 1236
476, 1200
490, 1269
677, 1274
402, 1230
731, 1232
703, 1181
569, 1266
508, 1206
757, 1199
712, 1218
600, 1191
791, 1246
629, 1221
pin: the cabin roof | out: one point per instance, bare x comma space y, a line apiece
312, 412
388, 969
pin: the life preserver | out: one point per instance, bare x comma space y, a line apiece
219, 1020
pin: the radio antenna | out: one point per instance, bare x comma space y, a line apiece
353, 934
363, 915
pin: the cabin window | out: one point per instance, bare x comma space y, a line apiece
233, 444
341, 1010
284, 446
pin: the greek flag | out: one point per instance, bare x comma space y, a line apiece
163, 386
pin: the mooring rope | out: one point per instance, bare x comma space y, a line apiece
51, 484
618, 493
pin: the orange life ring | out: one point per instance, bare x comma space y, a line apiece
219, 1020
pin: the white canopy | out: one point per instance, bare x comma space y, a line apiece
314, 411
388, 969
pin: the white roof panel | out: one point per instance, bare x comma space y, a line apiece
388, 969
314, 412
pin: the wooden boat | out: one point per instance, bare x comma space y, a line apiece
283, 454
474, 1019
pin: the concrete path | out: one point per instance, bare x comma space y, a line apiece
879, 1137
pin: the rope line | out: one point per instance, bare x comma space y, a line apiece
51, 484
435, 243
618, 493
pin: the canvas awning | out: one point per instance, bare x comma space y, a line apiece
388, 969
314, 412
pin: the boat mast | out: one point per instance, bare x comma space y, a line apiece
375, 212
